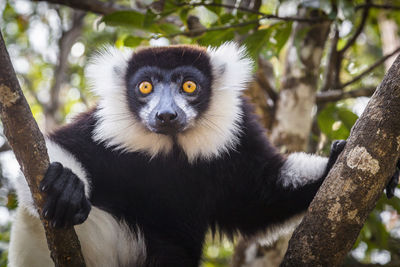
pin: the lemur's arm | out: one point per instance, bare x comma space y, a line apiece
276, 202
273, 197
66, 186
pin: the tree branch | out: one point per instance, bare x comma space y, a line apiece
336, 95
94, 6
65, 43
29, 148
360, 28
257, 12
370, 68
355, 183
331, 69
103, 8
383, 6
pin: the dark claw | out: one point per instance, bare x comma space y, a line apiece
391, 186
336, 148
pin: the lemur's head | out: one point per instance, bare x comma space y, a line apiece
168, 88
154, 97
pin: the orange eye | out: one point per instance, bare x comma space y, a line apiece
145, 88
189, 87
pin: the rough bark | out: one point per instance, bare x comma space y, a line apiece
293, 116
353, 186
29, 148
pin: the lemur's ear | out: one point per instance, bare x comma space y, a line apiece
232, 68
106, 70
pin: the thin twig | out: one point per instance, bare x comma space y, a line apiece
94, 6
65, 43
370, 68
238, 25
264, 15
336, 95
393, 7
105, 8
360, 28
219, 28
331, 70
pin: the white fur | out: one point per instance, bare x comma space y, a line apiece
117, 127
273, 232
218, 129
191, 113
56, 153
104, 242
301, 168
215, 132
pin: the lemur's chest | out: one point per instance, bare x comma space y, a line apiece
154, 192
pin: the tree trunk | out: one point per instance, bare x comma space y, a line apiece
296, 100
389, 37
29, 148
353, 186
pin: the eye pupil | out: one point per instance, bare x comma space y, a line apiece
189, 87
145, 87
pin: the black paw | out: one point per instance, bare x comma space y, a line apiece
336, 148
394, 181
66, 203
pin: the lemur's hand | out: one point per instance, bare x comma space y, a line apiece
393, 182
66, 203
336, 148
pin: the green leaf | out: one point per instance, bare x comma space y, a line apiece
256, 41
131, 19
281, 35
215, 9
132, 41
216, 38
183, 15
347, 117
225, 19
326, 119
168, 28
149, 19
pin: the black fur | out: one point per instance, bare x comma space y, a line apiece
66, 203
174, 202
167, 65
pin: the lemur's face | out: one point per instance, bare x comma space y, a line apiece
167, 89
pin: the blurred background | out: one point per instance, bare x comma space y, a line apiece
316, 64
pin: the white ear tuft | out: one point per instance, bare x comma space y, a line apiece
232, 68
106, 70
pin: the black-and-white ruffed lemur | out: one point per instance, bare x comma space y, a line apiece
171, 150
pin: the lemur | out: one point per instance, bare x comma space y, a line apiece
171, 150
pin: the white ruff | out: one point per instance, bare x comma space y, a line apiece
215, 132
218, 129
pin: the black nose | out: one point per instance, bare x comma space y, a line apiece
166, 117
